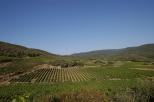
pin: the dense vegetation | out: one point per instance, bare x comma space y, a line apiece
11, 50
23, 64
65, 64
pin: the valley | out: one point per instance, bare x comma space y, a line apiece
52, 78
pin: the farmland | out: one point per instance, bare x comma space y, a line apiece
52, 81
54, 75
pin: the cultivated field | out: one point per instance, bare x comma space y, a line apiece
51, 75
109, 79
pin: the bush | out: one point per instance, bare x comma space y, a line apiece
143, 91
65, 64
5, 59
80, 96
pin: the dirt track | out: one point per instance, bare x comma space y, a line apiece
4, 64
146, 69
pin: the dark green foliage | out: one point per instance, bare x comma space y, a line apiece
64, 63
11, 50
5, 59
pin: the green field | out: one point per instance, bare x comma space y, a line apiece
54, 75
110, 79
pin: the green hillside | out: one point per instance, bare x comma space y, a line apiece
143, 52
12, 50
17, 59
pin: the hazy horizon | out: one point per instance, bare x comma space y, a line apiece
67, 27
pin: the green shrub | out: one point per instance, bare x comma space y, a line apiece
79, 96
64, 63
143, 91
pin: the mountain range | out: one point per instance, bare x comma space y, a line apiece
143, 52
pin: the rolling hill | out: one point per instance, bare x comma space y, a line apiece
143, 52
12, 50
139, 53
16, 59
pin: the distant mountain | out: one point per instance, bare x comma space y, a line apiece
12, 50
143, 52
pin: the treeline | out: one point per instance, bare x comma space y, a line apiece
65, 64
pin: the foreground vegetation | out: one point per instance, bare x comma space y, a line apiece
117, 91
113, 82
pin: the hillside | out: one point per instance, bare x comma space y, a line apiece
143, 52
12, 50
18, 59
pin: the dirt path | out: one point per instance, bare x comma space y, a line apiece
146, 69
4, 64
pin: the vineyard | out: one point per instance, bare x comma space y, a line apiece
54, 80
54, 75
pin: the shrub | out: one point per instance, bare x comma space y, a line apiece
80, 96
65, 64
143, 91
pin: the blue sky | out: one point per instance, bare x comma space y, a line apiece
70, 26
